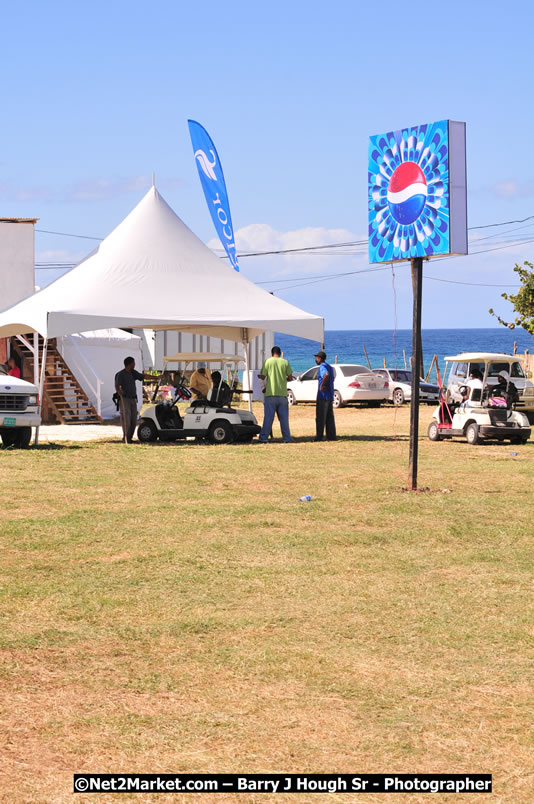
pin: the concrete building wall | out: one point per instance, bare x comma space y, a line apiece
17, 262
17, 265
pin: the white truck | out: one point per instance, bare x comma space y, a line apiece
19, 410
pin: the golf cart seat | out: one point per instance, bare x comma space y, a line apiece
203, 402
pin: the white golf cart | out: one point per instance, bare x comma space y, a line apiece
211, 418
479, 416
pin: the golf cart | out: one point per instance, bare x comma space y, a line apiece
211, 418
480, 415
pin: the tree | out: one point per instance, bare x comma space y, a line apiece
522, 301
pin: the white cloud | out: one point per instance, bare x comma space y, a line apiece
263, 237
511, 188
59, 255
103, 188
14, 192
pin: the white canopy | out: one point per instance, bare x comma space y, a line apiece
483, 357
153, 272
203, 357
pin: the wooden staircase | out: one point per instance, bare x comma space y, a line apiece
64, 398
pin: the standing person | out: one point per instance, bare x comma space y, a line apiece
276, 371
125, 387
324, 410
13, 369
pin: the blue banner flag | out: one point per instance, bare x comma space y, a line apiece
212, 180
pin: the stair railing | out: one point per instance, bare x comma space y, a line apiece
96, 383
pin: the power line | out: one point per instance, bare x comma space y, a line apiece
303, 249
472, 284
306, 280
68, 234
504, 223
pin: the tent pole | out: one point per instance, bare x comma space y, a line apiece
249, 383
36, 358
246, 346
41, 385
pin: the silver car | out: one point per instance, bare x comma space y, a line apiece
400, 386
352, 383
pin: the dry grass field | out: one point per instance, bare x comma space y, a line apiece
174, 608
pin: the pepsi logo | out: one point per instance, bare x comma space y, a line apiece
407, 193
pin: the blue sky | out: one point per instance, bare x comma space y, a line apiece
98, 96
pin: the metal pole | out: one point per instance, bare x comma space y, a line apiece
250, 380
35, 358
417, 281
41, 385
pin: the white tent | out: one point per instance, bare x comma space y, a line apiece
152, 271
94, 358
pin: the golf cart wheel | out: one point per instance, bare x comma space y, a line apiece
23, 436
471, 433
433, 431
8, 438
398, 396
146, 431
338, 400
291, 398
220, 433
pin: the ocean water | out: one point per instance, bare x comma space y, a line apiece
348, 345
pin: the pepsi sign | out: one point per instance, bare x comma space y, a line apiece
417, 192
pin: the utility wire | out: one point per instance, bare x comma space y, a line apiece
68, 234
304, 248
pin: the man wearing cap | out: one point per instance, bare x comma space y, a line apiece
324, 409
276, 371
505, 389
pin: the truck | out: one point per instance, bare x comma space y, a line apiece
19, 410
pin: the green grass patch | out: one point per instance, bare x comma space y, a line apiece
175, 608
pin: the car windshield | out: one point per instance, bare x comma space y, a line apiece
396, 374
514, 370
3, 368
402, 376
350, 371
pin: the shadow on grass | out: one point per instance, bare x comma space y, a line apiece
297, 440
340, 439
41, 448
51, 446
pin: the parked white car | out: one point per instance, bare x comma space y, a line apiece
400, 386
352, 383
19, 410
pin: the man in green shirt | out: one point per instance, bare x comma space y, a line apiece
276, 371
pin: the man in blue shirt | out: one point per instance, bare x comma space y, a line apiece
324, 410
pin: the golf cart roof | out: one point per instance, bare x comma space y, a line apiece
482, 357
202, 357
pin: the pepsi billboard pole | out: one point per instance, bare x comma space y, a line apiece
417, 200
